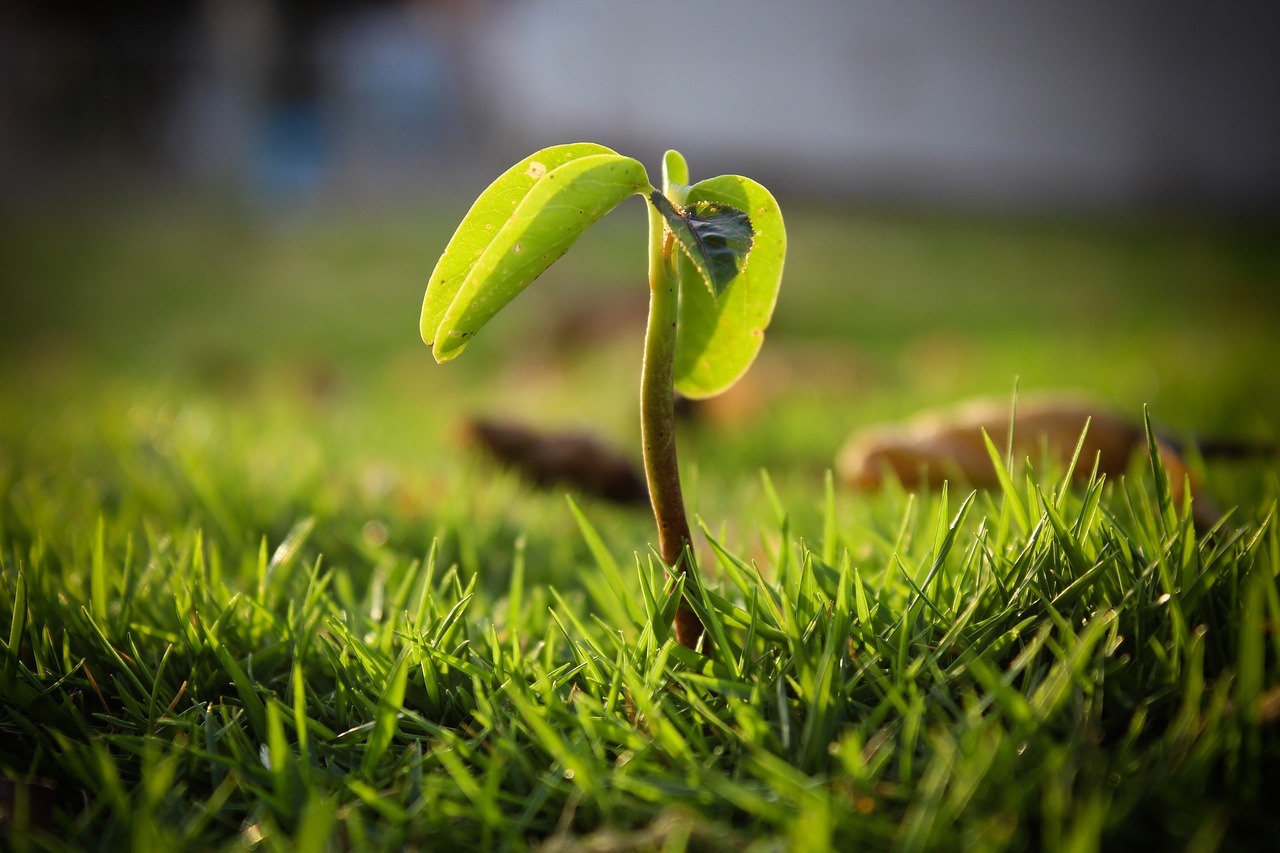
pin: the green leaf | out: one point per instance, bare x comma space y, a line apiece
719, 337
715, 238
483, 222
518, 227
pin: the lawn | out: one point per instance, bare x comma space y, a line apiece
256, 591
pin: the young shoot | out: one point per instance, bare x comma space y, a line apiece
716, 251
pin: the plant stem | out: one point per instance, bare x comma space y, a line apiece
658, 422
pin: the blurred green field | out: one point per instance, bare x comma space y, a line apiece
880, 314
286, 348
186, 389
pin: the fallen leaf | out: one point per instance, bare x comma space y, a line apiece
948, 445
26, 804
548, 459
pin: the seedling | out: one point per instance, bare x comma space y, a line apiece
716, 251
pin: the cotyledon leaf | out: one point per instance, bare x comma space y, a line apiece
484, 221
560, 204
718, 336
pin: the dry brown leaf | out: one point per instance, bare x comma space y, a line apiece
948, 445
27, 804
573, 459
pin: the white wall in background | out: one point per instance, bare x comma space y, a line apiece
986, 101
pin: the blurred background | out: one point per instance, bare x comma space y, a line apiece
991, 103
246, 197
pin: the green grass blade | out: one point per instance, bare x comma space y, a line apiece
298, 685
1053, 692
19, 624
1013, 500
605, 561
98, 577
1164, 496
386, 722
245, 687
830, 532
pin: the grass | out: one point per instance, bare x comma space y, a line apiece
252, 594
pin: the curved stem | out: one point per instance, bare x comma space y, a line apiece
657, 421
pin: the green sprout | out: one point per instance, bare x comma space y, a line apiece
710, 300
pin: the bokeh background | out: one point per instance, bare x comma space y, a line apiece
217, 221
248, 196
993, 103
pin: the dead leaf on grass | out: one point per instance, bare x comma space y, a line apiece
26, 804
948, 445
560, 458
